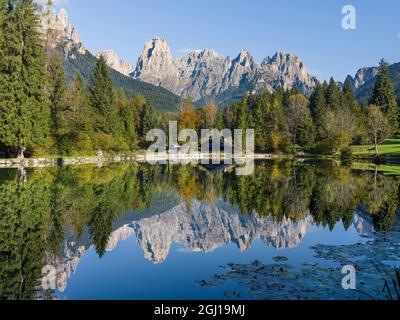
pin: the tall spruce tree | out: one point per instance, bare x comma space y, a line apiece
13, 127
318, 107
56, 87
3, 10
384, 95
103, 100
333, 96
349, 99
25, 113
35, 107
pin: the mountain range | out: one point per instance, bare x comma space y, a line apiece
199, 74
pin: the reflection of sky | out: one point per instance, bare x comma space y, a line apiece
125, 274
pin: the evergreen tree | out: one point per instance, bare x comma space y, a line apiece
349, 99
318, 107
333, 96
56, 87
129, 115
34, 107
13, 127
3, 11
103, 100
384, 95
25, 113
259, 115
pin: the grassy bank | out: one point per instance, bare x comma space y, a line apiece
389, 149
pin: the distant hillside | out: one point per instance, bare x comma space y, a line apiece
364, 92
160, 98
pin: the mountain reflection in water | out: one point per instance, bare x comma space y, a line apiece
59, 214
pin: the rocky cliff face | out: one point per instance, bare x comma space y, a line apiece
114, 62
205, 73
61, 29
363, 76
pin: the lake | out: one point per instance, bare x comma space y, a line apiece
136, 231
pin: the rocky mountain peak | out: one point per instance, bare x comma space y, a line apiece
156, 65
114, 62
157, 47
245, 59
362, 76
203, 73
65, 33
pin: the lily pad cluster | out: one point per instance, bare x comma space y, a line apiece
321, 279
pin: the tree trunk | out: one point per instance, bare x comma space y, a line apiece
22, 174
21, 151
376, 146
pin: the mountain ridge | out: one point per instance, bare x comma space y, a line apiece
204, 73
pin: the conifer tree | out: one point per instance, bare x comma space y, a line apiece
333, 96
3, 10
13, 127
25, 113
56, 87
318, 107
102, 99
384, 95
349, 98
35, 106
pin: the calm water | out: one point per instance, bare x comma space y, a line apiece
188, 232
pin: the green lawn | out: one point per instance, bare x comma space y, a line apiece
391, 147
386, 169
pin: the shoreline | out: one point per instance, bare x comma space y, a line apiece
141, 156
45, 162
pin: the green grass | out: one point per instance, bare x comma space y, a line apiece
391, 147
385, 169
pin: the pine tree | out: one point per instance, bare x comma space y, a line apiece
103, 100
129, 114
3, 10
56, 87
13, 127
25, 113
319, 107
333, 96
35, 106
384, 95
349, 98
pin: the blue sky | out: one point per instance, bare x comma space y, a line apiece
309, 28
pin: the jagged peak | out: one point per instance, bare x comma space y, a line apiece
106, 52
157, 42
244, 57
114, 62
281, 57
204, 53
158, 46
